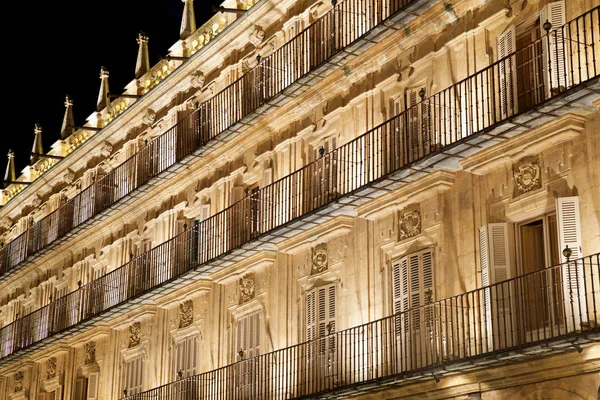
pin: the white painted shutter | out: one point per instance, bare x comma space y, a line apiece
508, 72
267, 177
555, 59
80, 387
413, 124
573, 278
311, 320
92, 386
249, 335
185, 355
325, 315
495, 267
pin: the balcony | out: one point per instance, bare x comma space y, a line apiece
345, 32
461, 119
530, 315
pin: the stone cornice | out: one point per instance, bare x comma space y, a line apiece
414, 192
255, 263
335, 227
557, 131
185, 292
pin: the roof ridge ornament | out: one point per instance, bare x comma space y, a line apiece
103, 96
38, 149
10, 175
143, 58
188, 21
68, 125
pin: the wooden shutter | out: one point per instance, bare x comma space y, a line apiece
496, 267
413, 124
80, 389
573, 278
267, 177
311, 320
185, 356
248, 334
56, 394
134, 375
555, 60
42, 396
508, 74
92, 386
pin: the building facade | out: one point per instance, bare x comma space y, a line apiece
306, 199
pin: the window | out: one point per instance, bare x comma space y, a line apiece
320, 323
555, 60
133, 375
248, 329
247, 346
185, 357
412, 287
56, 394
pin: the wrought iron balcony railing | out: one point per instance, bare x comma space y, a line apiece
516, 314
433, 126
310, 49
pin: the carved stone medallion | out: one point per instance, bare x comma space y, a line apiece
527, 174
106, 149
150, 117
257, 37
320, 261
247, 288
186, 313
19, 377
409, 223
90, 353
198, 80
51, 368
135, 333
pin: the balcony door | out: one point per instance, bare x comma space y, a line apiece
246, 370
537, 246
412, 279
321, 355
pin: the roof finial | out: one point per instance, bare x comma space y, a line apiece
188, 22
143, 59
68, 125
103, 97
10, 174
37, 148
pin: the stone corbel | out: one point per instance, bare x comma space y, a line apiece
68, 176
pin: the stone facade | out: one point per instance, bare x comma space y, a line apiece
340, 266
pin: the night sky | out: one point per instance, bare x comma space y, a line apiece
58, 49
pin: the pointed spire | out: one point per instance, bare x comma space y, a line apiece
188, 22
68, 125
10, 175
143, 59
103, 97
37, 148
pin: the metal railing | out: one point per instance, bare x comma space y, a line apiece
539, 307
304, 53
370, 157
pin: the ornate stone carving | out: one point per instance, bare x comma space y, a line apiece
5, 223
51, 368
19, 377
528, 175
245, 66
409, 223
320, 261
106, 149
90, 353
150, 117
198, 80
36, 201
68, 176
186, 313
135, 333
257, 37
247, 289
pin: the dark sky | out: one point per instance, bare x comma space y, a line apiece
58, 48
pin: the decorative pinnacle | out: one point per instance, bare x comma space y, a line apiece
10, 174
188, 22
103, 97
68, 120
143, 58
37, 144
